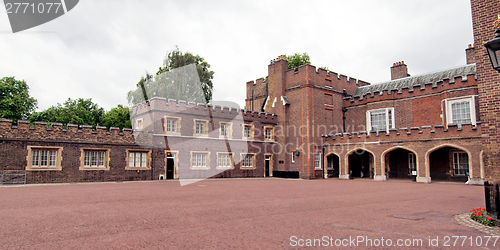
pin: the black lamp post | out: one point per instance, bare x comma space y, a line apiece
493, 47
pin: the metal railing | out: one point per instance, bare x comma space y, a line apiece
492, 199
13, 177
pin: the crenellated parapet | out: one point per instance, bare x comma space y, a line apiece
172, 106
74, 133
308, 74
437, 82
423, 133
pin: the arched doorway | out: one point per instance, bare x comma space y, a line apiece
449, 163
400, 163
360, 164
332, 165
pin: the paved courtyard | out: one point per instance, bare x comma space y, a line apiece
236, 213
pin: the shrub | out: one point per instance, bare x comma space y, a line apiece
477, 214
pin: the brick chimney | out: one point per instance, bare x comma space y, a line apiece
399, 70
469, 54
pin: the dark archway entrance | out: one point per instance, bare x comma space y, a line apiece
360, 164
170, 168
449, 164
267, 167
400, 164
332, 165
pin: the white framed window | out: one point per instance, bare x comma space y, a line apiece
225, 130
247, 160
248, 132
460, 163
412, 164
44, 158
199, 160
94, 159
380, 119
317, 161
268, 133
201, 127
171, 125
137, 159
225, 160
293, 156
461, 110
139, 123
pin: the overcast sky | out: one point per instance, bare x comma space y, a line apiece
100, 49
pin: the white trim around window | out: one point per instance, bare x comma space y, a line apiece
317, 161
225, 130
380, 119
200, 160
461, 110
247, 161
138, 159
172, 125
44, 158
225, 160
94, 158
248, 132
268, 133
200, 128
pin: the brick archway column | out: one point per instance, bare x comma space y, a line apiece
424, 170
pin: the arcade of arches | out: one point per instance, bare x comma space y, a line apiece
421, 162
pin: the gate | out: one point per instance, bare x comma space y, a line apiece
13, 177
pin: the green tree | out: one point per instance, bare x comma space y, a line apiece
178, 84
79, 111
15, 101
296, 60
118, 116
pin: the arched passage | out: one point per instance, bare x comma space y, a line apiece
361, 164
400, 163
449, 163
333, 165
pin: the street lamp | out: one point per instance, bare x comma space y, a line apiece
493, 47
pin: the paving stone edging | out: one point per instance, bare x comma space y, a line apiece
464, 219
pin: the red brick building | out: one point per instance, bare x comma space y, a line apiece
331, 125
308, 123
484, 14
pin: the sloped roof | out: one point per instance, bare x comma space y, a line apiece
417, 81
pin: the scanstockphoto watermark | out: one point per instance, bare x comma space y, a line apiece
366, 241
26, 14
290, 139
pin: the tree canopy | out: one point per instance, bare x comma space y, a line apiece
117, 117
85, 112
79, 111
176, 84
15, 100
296, 60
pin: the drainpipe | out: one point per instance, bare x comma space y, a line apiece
344, 110
325, 171
252, 100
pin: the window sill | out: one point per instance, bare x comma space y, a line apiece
93, 168
43, 168
197, 168
137, 168
232, 167
245, 168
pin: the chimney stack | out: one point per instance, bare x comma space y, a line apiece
399, 70
469, 54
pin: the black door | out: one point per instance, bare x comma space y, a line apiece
268, 166
170, 168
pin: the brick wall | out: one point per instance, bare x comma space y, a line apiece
484, 13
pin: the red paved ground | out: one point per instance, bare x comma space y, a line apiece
230, 213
